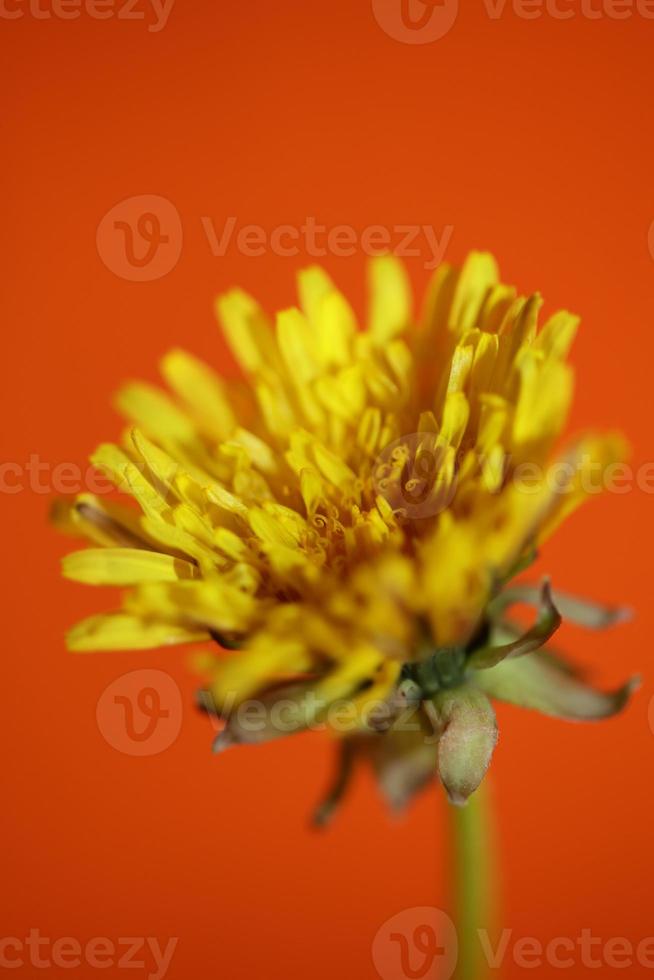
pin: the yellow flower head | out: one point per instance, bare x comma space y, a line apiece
345, 523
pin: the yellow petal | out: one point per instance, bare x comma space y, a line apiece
434, 319
290, 565
210, 604
121, 631
247, 331
483, 364
259, 452
155, 413
195, 524
333, 468
270, 529
276, 409
455, 418
201, 390
268, 660
390, 299
556, 337
232, 545
159, 463
173, 538
313, 285
579, 474
124, 566
369, 430
543, 403
499, 300
104, 522
312, 489
343, 394
460, 367
400, 359
336, 328
385, 679
477, 277
297, 346
226, 500
112, 461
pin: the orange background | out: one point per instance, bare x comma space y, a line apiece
531, 138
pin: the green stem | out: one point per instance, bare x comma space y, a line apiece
474, 892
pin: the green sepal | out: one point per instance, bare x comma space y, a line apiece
573, 609
339, 786
549, 620
545, 683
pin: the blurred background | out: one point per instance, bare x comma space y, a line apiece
510, 127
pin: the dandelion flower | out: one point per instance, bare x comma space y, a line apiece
347, 522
